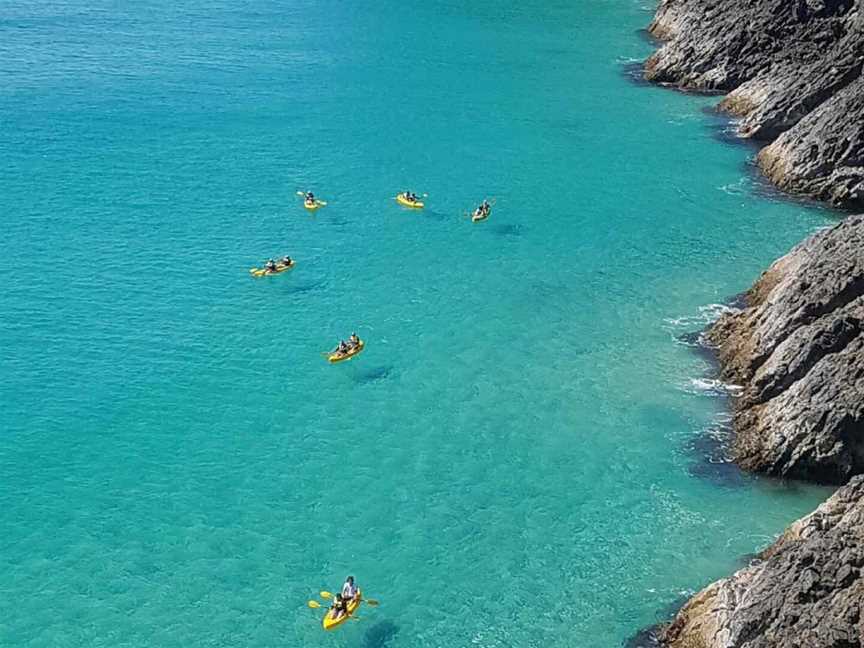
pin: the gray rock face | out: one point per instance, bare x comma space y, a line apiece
806, 590
797, 351
793, 70
794, 74
823, 155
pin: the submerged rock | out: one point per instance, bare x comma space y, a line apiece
805, 590
793, 71
797, 351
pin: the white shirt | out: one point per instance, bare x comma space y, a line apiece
349, 591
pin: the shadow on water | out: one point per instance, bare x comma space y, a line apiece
696, 342
747, 560
650, 637
507, 230
634, 71
712, 461
429, 214
302, 288
646, 638
380, 634
648, 37
373, 374
340, 221
724, 129
544, 290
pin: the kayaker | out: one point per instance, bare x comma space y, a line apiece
349, 589
485, 207
270, 265
286, 260
342, 348
339, 607
310, 197
354, 341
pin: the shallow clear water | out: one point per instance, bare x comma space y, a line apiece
517, 457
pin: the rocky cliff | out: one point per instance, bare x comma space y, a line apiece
793, 71
797, 351
806, 590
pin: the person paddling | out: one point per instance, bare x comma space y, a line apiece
339, 607
482, 211
350, 591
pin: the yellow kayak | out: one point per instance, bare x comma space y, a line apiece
312, 205
339, 357
263, 272
402, 200
329, 622
480, 216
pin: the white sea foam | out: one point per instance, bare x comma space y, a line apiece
677, 326
707, 314
710, 386
744, 186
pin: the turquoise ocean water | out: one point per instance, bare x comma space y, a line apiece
516, 458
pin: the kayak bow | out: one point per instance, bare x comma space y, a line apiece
329, 622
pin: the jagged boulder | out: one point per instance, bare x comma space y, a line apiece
823, 154
797, 351
716, 45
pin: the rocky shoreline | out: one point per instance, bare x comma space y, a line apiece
792, 72
804, 590
797, 351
